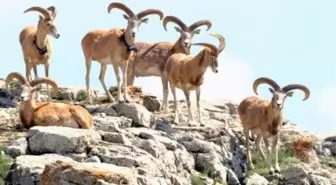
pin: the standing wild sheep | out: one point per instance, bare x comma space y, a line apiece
186, 72
265, 118
151, 58
35, 44
114, 47
34, 113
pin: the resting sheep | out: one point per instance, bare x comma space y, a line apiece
266, 117
186, 72
36, 46
113, 47
47, 113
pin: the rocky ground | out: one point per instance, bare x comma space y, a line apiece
134, 143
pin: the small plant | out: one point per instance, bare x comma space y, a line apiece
113, 89
81, 95
303, 146
4, 164
197, 180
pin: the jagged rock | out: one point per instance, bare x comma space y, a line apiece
17, 147
296, 175
53, 139
140, 115
64, 173
318, 180
110, 123
256, 179
151, 103
28, 168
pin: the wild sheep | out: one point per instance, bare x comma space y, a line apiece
35, 44
266, 117
47, 113
187, 72
113, 47
151, 58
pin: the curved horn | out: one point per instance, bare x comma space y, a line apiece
175, 20
212, 47
120, 6
48, 81
16, 75
299, 87
265, 80
150, 11
222, 42
200, 23
46, 13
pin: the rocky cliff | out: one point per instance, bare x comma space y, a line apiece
134, 143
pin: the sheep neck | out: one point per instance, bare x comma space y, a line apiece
41, 41
178, 48
199, 66
128, 41
26, 112
275, 118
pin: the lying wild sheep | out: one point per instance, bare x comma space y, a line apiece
34, 113
265, 118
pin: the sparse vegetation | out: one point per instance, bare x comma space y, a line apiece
198, 179
286, 159
4, 165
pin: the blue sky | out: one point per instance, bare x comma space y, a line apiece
289, 41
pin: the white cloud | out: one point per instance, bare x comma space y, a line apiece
326, 103
232, 82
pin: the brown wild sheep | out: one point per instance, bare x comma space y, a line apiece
187, 72
151, 58
265, 118
47, 113
35, 45
113, 47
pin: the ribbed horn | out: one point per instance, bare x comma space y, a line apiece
265, 80
16, 75
48, 81
200, 23
212, 47
120, 6
298, 87
175, 20
43, 11
149, 12
222, 42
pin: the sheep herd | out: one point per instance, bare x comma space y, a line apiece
171, 61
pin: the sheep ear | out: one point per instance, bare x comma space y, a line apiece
271, 90
125, 16
41, 17
144, 20
290, 94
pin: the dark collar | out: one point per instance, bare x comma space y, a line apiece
42, 51
128, 47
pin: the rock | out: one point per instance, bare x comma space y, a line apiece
256, 179
318, 180
64, 173
17, 147
331, 139
111, 124
151, 103
116, 138
140, 115
53, 139
331, 146
28, 168
296, 175
94, 159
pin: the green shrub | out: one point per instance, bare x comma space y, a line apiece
81, 95
197, 180
4, 164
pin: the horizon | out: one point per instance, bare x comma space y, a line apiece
290, 42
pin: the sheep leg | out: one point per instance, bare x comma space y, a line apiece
269, 156
28, 70
35, 71
248, 152
125, 73
198, 95
258, 143
116, 72
275, 152
165, 94
46, 69
102, 81
38, 97
87, 79
187, 95
173, 90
